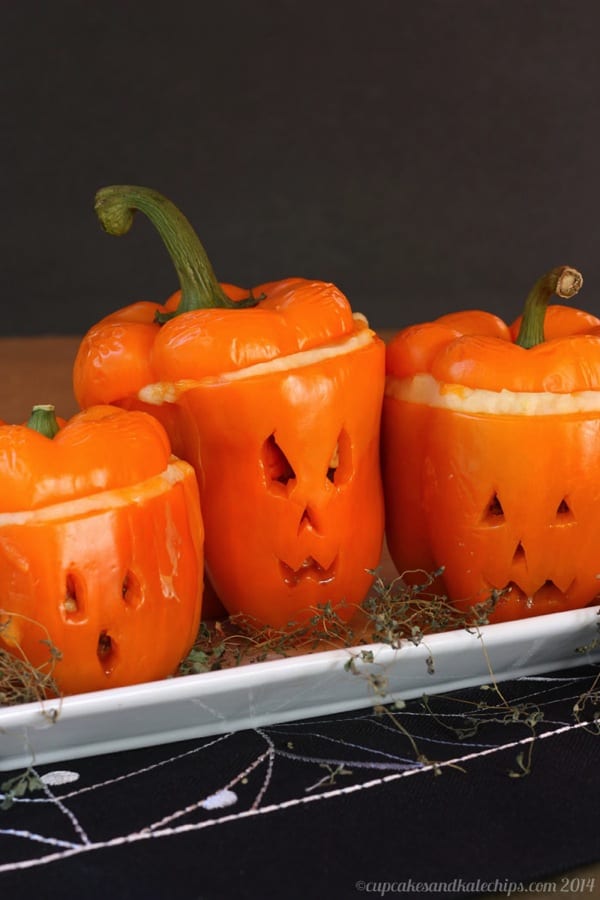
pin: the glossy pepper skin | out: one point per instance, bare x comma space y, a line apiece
491, 452
274, 396
100, 549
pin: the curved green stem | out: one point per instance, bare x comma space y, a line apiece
43, 420
115, 207
563, 281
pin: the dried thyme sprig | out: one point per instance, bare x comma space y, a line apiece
393, 612
20, 680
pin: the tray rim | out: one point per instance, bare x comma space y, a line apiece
148, 698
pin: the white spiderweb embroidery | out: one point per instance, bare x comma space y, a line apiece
331, 757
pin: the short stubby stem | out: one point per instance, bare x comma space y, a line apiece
115, 207
563, 281
43, 420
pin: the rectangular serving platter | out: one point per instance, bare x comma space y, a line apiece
286, 689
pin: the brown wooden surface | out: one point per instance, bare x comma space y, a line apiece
36, 370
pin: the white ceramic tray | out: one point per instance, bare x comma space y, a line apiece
283, 690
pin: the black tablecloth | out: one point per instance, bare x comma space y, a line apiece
459, 794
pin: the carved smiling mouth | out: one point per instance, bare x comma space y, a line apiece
310, 569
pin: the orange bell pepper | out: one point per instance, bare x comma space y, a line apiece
274, 396
490, 443
100, 547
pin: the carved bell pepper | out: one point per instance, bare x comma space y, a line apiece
274, 396
490, 453
100, 548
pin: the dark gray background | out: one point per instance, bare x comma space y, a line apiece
426, 156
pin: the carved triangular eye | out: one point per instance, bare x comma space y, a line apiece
494, 513
564, 511
276, 465
340, 464
334, 463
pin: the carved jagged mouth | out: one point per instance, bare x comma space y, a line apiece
309, 569
548, 594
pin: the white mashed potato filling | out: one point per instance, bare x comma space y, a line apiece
425, 390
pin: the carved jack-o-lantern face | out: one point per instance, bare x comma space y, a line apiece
502, 502
282, 481
100, 548
502, 526
288, 465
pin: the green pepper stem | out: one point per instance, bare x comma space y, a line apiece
43, 420
115, 207
563, 281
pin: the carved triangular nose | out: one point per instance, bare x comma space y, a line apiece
519, 557
308, 519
